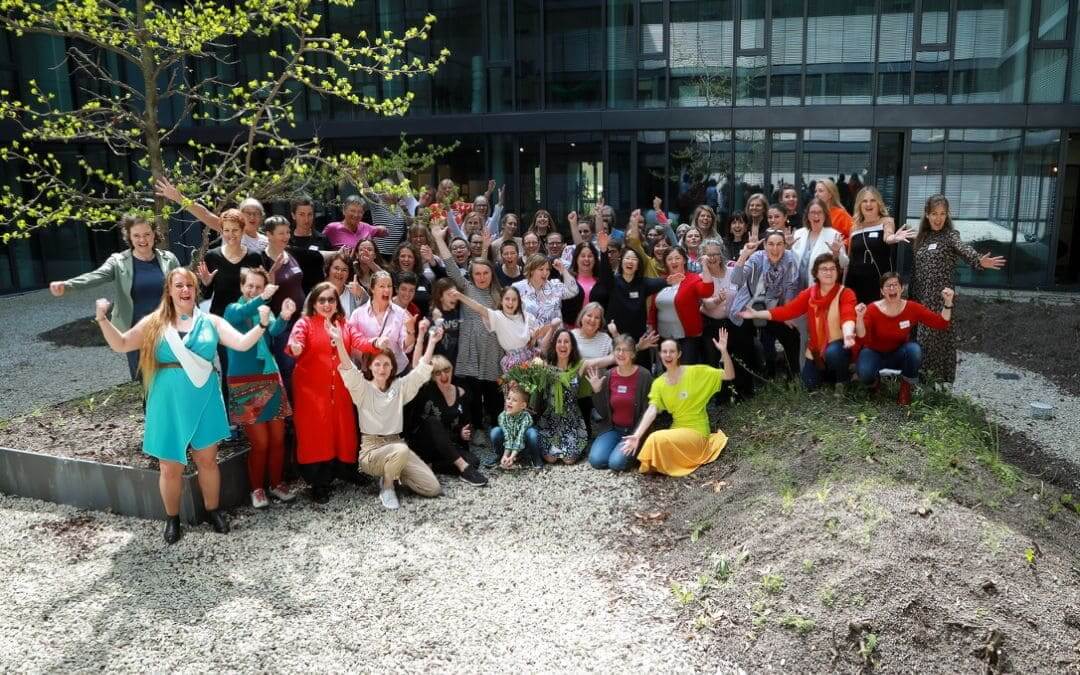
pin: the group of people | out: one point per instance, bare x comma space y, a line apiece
389, 343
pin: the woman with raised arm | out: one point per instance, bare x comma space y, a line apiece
478, 349
322, 412
380, 400
258, 401
715, 308
620, 397
251, 210
886, 331
737, 235
350, 293
683, 391
938, 249
137, 276
678, 306
366, 261
381, 318
542, 297
757, 207
519, 333
589, 267
184, 407
219, 270
829, 308
828, 194
408, 258
446, 314
872, 233
817, 238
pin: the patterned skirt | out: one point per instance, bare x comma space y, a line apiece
518, 357
254, 399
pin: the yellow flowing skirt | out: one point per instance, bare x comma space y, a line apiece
678, 452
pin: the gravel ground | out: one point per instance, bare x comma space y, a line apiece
39, 373
524, 575
1007, 401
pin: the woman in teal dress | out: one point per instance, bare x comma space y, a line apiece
184, 406
257, 398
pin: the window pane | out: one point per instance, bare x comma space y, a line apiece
932, 77
573, 53
575, 172
782, 161
1075, 97
991, 51
894, 51
621, 56
530, 70
889, 168
528, 178
839, 154
1035, 222
1053, 19
751, 25
839, 57
750, 79
500, 90
652, 68
935, 22
926, 169
652, 168
981, 179
701, 53
501, 151
785, 87
696, 158
749, 166
1048, 75
498, 31
618, 188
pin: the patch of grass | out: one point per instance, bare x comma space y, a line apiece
684, 596
787, 500
868, 645
993, 537
699, 528
799, 624
772, 583
857, 600
808, 566
832, 526
827, 596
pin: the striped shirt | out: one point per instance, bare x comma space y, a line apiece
393, 219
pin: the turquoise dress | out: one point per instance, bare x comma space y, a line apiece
179, 414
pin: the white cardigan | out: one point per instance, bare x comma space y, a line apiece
826, 237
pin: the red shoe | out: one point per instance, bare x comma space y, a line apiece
905, 393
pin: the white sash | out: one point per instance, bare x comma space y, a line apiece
195, 367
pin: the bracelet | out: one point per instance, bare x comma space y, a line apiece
948, 306
264, 326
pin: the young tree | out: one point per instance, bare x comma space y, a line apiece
176, 57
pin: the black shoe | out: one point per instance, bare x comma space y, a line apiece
320, 495
217, 520
173, 531
472, 476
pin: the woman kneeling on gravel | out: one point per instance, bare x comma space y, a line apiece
380, 402
184, 406
684, 391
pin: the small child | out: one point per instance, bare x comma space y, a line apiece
515, 431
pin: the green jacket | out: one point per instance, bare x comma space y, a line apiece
120, 269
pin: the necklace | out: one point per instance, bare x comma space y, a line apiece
184, 317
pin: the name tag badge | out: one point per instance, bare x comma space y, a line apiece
905, 324
684, 395
634, 295
621, 389
420, 289
931, 247
873, 235
313, 247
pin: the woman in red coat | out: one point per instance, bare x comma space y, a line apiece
830, 317
322, 408
676, 313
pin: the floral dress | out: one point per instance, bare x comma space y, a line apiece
935, 267
564, 434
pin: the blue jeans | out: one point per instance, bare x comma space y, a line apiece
907, 359
530, 455
605, 452
836, 367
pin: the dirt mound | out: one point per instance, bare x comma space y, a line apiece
863, 536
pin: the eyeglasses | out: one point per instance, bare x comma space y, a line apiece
326, 299
624, 350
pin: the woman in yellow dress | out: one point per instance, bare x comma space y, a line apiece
683, 391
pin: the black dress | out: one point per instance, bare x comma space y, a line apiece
225, 286
869, 259
434, 428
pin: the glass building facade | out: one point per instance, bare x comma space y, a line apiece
567, 100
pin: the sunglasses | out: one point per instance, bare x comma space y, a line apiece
326, 299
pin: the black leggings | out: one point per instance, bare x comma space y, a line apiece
745, 355
484, 397
434, 444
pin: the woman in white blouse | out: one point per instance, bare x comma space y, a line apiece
816, 238
540, 296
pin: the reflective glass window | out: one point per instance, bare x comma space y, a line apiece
651, 168
749, 166
931, 77
619, 186
653, 63
1031, 251
786, 52
621, 54
840, 154
528, 53
990, 59
702, 48
895, 35
573, 54
1053, 19
697, 158
1048, 75
782, 161
839, 51
574, 170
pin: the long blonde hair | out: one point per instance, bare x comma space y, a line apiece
157, 322
871, 191
834, 192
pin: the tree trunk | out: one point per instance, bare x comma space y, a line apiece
151, 129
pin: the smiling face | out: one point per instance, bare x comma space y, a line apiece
252, 285
476, 245
937, 217
304, 217
777, 219
540, 275
353, 214
624, 354
822, 192
382, 367
692, 238
460, 250
704, 220
591, 321
738, 229
182, 291
406, 259
815, 215
892, 289
586, 261
654, 235
826, 274
141, 237
382, 288
279, 236
756, 208
510, 301
869, 208
406, 293
481, 206
584, 231
510, 226
555, 245
253, 218
774, 247
338, 274
676, 263
790, 200
531, 243
660, 250
669, 353
481, 276
515, 402
542, 222
564, 347
508, 254
419, 238
630, 262
473, 223
326, 303
230, 232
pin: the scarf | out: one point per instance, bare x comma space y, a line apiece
564, 384
195, 367
818, 317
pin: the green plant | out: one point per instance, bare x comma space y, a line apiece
684, 596
772, 583
787, 500
1029, 556
699, 528
832, 526
823, 493
827, 596
722, 570
808, 566
858, 600
868, 644
799, 624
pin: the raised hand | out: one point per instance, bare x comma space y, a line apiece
164, 188
649, 340
502, 195
636, 219
424, 326
205, 275
436, 335
904, 234
835, 245
288, 308
559, 266
355, 288
101, 309
438, 229
57, 288
453, 294
612, 329
860, 310
989, 262
748, 249
264, 314
947, 294
382, 343
268, 291
674, 279
657, 202
427, 254
596, 380
721, 340
333, 331
491, 185
571, 218
603, 238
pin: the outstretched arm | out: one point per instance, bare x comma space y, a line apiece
127, 341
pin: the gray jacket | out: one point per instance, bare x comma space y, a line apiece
602, 403
745, 277
120, 270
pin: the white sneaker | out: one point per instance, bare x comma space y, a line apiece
281, 492
389, 499
258, 499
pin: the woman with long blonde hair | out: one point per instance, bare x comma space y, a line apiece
872, 232
184, 407
827, 191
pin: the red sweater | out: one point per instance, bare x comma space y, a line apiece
688, 299
886, 334
816, 308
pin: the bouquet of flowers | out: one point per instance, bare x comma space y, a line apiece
533, 377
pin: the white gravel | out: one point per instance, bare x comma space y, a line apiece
38, 373
525, 575
1008, 402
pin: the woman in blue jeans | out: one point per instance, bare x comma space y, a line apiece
620, 397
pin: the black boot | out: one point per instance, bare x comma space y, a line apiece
217, 521
173, 532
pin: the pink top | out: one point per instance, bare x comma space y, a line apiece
364, 324
586, 284
339, 235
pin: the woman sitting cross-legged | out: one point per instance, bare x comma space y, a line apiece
885, 329
437, 425
380, 399
683, 391
830, 311
620, 397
